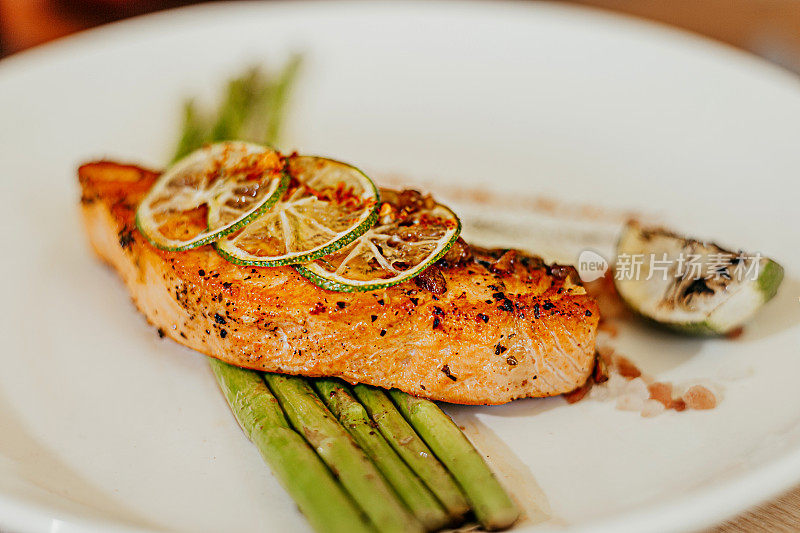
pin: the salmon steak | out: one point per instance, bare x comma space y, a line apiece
480, 326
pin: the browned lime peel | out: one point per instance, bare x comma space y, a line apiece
691, 286
213, 191
400, 246
328, 204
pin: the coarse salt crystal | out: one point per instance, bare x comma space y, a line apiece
699, 397
626, 367
630, 402
638, 387
616, 384
661, 392
652, 408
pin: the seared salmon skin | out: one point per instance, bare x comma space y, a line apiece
479, 327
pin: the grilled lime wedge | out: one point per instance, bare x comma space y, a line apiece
408, 237
327, 205
211, 192
691, 286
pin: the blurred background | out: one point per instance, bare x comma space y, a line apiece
768, 28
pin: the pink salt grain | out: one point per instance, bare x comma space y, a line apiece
626, 368
652, 408
630, 402
679, 405
699, 397
661, 392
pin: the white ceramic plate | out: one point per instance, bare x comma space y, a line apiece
105, 427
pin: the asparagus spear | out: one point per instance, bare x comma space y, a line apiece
408, 486
253, 109
238, 104
412, 449
490, 502
337, 448
252, 101
194, 132
278, 97
301, 472
254, 106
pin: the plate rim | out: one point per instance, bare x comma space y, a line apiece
697, 508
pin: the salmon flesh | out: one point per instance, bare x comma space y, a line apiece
479, 327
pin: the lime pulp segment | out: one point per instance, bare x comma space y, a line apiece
328, 204
211, 192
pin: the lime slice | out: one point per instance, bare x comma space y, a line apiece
691, 286
327, 205
408, 238
211, 192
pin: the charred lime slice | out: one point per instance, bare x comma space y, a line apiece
211, 192
411, 234
689, 285
328, 204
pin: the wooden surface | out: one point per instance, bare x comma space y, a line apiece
778, 516
769, 28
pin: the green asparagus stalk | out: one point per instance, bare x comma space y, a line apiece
278, 98
412, 449
301, 472
194, 131
337, 448
252, 109
327, 506
490, 502
239, 103
405, 482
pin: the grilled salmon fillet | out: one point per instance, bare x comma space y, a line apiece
480, 327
